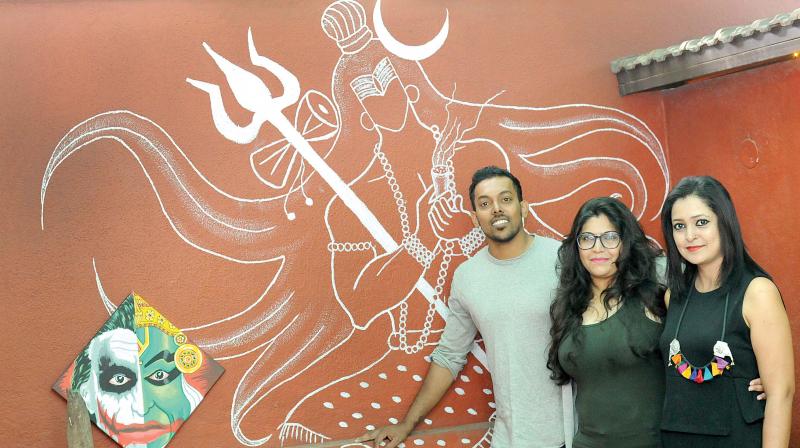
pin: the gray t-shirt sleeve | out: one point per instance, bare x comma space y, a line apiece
661, 269
458, 336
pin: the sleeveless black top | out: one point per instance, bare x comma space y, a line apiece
721, 411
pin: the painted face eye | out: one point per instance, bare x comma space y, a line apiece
119, 380
158, 375
678, 226
702, 222
162, 377
116, 379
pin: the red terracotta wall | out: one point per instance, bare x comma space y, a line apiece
741, 129
159, 200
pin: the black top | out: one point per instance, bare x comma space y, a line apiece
722, 406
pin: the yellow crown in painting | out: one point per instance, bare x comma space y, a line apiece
147, 316
188, 357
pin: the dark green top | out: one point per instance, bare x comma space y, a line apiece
619, 393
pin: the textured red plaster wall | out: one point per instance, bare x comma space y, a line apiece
65, 62
741, 129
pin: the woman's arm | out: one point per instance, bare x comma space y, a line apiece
771, 337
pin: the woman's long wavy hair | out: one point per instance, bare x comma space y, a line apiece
735, 259
635, 283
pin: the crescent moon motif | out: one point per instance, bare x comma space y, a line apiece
409, 52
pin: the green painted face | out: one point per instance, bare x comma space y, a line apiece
165, 402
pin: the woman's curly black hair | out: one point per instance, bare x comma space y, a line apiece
636, 281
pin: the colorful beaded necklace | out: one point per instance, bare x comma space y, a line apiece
723, 358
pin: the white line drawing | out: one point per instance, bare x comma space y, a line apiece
389, 219
250, 92
412, 53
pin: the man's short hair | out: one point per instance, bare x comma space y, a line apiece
489, 172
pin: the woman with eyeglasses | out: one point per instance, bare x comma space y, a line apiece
726, 323
605, 327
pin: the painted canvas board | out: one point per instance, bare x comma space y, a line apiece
140, 377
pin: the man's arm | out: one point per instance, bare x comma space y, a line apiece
446, 361
437, 381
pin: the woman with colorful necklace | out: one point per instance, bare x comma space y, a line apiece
606, 323
726, 324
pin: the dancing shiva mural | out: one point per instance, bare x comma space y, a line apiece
362, 215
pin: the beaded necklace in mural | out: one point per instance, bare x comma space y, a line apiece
418, 251
722, 360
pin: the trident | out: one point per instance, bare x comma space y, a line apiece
253, 95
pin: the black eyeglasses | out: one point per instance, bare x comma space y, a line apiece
609, 240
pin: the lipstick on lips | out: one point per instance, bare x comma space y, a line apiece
693, 248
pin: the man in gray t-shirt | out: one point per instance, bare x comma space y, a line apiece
503, 292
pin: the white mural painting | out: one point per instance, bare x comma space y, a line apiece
341, 167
